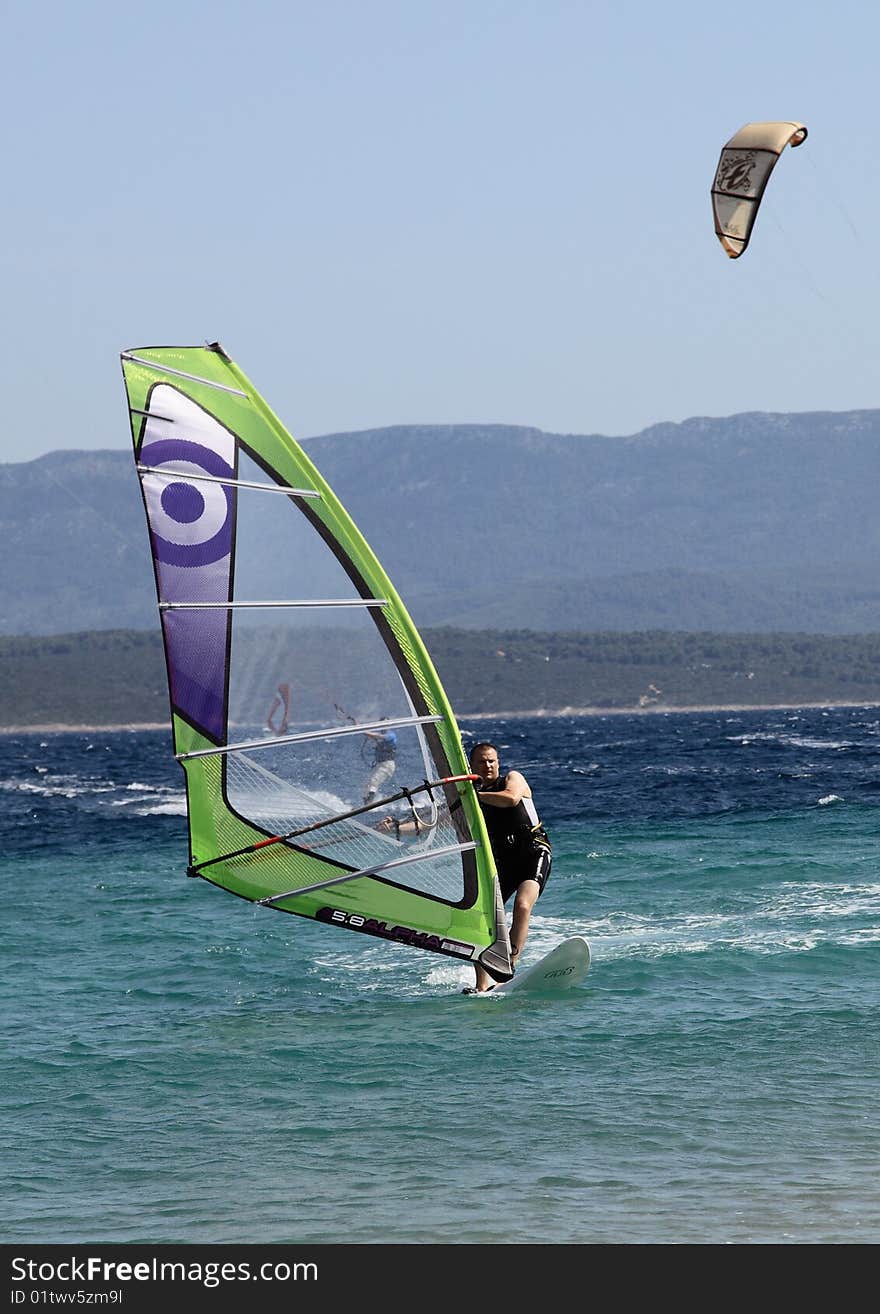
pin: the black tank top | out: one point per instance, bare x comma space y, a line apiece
508, 826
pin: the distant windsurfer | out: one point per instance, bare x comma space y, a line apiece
281, 709
520, 844
384, 761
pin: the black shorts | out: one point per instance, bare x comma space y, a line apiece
528, 864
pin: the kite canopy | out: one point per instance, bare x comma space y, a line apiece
743, 172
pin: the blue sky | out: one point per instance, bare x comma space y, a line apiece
446, 211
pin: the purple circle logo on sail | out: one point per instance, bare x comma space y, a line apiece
191, 518
183, 503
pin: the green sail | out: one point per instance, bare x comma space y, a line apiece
324, 769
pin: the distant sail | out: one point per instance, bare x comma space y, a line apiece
741, 177
278, 818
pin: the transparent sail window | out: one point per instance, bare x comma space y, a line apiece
309, 787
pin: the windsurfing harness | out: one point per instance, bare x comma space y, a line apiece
512, 829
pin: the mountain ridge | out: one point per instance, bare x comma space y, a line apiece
760, 521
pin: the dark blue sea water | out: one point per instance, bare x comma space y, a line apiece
182, 1066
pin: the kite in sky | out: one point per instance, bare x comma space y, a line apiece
743, 172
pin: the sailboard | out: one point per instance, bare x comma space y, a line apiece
562, 968
266, 586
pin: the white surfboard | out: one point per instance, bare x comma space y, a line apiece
560, 969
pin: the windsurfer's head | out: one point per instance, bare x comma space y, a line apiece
484, 761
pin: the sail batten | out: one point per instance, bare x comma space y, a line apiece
181, 374
370, 871
290, 602
307, 725
325, 732
172, 475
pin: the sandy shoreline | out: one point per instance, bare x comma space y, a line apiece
538, 713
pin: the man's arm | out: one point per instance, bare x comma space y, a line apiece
515, 790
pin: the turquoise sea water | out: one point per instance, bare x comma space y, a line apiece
183, 1067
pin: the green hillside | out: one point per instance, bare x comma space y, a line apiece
117, 677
